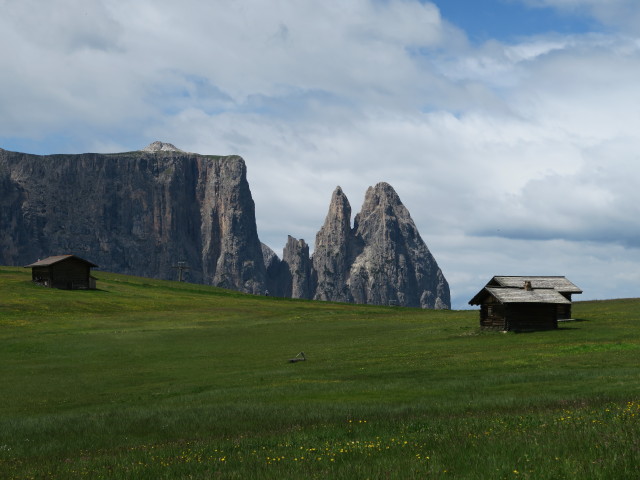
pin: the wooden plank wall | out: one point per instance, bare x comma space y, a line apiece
41, 275
70, 275
519, 316
492, 316
522, 316
564, 312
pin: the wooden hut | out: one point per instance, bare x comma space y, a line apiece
524, 303
63, 271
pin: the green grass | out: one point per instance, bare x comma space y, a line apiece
152, 379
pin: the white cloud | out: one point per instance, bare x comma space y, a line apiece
62, 25
600, 271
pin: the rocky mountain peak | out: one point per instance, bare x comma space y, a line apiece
395, 266
331, 258
381, 200
161, 147
381, 260
338, 220
382, 206
383, 189
296, 258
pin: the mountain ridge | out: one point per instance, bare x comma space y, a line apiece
140, 212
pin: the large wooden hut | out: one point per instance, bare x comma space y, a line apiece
63, 271
524, 303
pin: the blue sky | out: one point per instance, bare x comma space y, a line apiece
511, 20
507, 127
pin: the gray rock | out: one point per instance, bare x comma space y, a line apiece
290, 277
135, 213
334, 252
277, 274
296, 258
141, 212
161, 147
395, 266
382, 260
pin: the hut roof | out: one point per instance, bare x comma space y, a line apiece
527, 289
518, 295
58, 258
560, 284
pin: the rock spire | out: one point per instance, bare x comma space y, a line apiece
382, 260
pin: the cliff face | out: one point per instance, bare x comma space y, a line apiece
135, 213
332, 255
395, 265
142, 212
295, 257
382, 260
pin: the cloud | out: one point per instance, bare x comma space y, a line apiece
136, 61
496, 149
600, 272
595, 204
65, 69
63, 25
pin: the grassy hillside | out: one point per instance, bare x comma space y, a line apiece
154, 379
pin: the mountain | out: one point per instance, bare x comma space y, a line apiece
382, 260
143, 212
135, 213
335, 250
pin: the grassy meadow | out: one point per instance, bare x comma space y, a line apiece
151, 379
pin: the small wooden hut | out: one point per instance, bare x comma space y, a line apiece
524, 303
63, 271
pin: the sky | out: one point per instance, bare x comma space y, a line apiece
509, 128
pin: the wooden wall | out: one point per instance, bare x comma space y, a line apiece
41, 275
519, 316
526, 316
69, 275
564, 312
492, 316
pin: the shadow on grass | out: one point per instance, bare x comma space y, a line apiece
559, 329
83, 291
